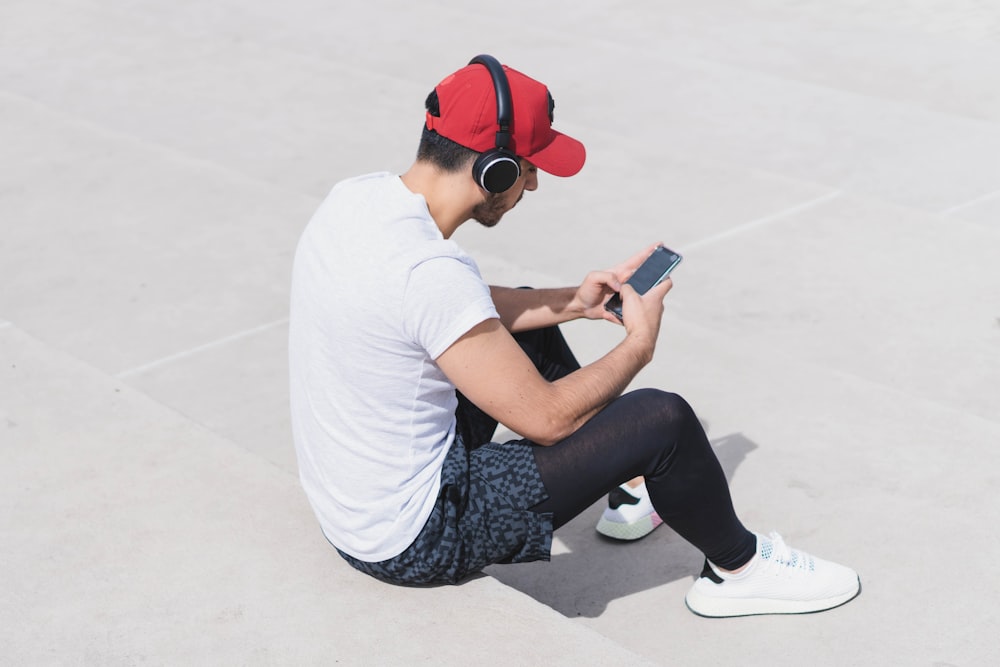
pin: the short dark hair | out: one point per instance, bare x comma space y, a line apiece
440, 151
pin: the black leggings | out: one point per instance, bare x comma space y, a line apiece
647, 432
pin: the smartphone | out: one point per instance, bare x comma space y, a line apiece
652, 272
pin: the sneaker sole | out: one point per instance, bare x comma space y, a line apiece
713, 607
627, 531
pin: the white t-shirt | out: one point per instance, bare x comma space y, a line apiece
377, 295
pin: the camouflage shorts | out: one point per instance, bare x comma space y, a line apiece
481, 517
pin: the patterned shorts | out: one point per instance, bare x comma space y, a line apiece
481, 517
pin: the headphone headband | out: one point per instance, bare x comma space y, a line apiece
498, 169
502, 89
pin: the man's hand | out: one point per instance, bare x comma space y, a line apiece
598, 286
595, 290
643, 313
625, 270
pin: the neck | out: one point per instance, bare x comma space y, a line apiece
450, 196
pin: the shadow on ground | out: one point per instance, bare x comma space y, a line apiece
587, 571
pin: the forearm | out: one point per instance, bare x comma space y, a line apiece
491, 370
526, 309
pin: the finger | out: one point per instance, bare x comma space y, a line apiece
611, 317
607, 278
629, 266
660, 291
628, 293
631, 302
633, 262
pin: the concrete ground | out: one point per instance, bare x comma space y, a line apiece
831, 171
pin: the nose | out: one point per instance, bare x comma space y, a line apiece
531, 179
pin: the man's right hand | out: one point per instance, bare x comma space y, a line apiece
642, 314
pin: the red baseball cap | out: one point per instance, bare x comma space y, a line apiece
468, 117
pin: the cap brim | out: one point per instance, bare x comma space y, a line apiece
563, 156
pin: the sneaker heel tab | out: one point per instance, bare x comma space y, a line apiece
619, 496
708, 573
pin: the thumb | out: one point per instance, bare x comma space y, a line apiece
661, 290
628, 293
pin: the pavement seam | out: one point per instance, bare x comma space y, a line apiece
972, 202
734, 342
708, 240
148, 144
701, 61
759, 222
201, 348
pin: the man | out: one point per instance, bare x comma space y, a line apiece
402, 361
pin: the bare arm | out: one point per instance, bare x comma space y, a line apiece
489, 368
526, 309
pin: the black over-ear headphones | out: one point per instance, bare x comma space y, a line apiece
498, 169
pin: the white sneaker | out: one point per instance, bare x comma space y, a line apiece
778, 580
629, 515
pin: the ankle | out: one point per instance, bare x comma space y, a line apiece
741, 568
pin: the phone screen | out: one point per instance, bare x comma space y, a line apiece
652, 272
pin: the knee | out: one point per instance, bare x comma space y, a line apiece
671, 407
661, 398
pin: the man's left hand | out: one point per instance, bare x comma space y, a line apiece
595, 290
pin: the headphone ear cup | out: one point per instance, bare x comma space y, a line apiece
496, 170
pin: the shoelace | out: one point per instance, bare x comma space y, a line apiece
784, 556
